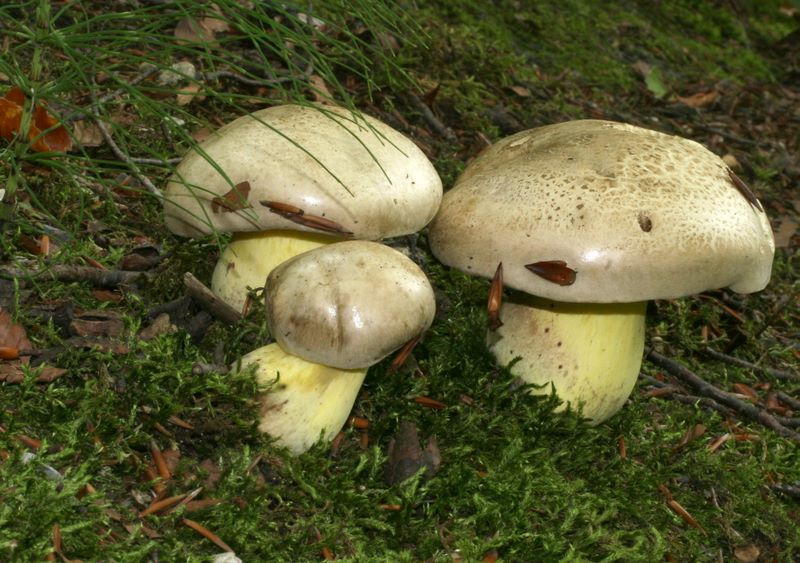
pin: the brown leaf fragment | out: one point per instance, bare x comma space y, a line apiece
403, 354
299, 216
490, 556
283, 209
430, 403
190, 30
233, 200
12, 335
162, 324
744, 190
159, 461
406, 457
195, 505
718, 442
555, 271
747, 554
690, 435
747, 391
700, 99
320, 223
495, 299
206, 533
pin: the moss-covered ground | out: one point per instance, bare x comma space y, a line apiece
662, 480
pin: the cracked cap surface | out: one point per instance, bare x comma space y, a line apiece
637, 214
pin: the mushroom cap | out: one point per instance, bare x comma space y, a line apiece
307, 157
348, 304
636, 214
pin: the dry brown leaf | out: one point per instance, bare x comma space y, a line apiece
12, 105
747, 554
700, 99
319, 89
234, 200
188, 94
201, 134
87, 133
747, 391
785, 233
12, 334
521, 91
190, 30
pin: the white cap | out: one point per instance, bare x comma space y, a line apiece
348, 304
306, 158
604, 212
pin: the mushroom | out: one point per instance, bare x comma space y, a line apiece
590, 219
334, 312
290, 178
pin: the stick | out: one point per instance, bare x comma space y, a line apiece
66, 273
432, 120
210, 302
776, 373
705, 388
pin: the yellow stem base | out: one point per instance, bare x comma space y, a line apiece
250, 257
591, 353
305, 402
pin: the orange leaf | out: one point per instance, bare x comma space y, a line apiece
45, 131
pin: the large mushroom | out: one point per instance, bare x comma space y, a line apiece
290, 178
590, 219
334, 312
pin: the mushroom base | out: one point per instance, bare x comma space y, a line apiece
305, 402
591, 353
250, 257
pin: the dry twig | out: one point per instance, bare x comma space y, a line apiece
776, 373
721, 397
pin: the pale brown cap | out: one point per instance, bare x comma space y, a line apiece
348, 304
307, 158
604, 212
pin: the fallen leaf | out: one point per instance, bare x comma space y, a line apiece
406, 457
747, 554
319, 89
555, 271
746, 390
700, 99
12, 335
785, 233
44, 131
234, 200
520, 91
190, 30
160, 325
87, 133
188, 94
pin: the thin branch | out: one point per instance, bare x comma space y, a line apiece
210, 302
432, 120
776, 373
67, 274
122, 156
726, 399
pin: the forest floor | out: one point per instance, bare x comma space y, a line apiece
121, 398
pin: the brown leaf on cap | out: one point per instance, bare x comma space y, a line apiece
555, 271
744, 190
282, 209
234, 200
495, 299
404, 353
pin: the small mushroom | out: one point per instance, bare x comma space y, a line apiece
591, 219
290, 178
334, 312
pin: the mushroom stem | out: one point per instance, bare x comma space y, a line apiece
590, 352
306, 401
250, 257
